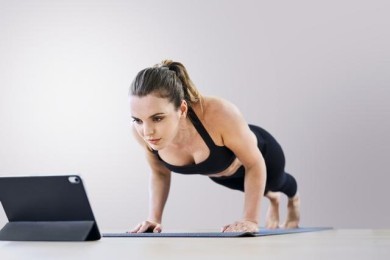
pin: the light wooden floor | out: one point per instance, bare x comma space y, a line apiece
329, 244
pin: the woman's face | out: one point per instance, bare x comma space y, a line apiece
155, 119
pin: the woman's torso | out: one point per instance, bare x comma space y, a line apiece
206, 153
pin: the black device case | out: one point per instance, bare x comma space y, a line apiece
47, 208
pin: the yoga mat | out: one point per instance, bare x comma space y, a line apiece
262, 232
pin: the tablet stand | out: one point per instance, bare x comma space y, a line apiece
46, 208
50, 231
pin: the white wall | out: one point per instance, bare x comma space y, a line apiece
314, 73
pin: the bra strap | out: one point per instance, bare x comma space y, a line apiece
200, 128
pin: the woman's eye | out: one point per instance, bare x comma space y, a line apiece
137, 121
157, 119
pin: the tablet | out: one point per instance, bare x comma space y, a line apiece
47, 208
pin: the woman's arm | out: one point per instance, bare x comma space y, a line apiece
237, 136
255, 176
254, 185
159, 185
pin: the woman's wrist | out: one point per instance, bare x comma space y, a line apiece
154, 219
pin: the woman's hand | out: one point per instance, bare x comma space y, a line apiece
241, 226
147, 226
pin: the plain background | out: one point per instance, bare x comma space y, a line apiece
314, 73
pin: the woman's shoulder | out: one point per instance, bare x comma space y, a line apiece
218, 106
216, 111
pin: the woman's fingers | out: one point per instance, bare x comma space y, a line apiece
144, 227
135, 230
241, 226
147, 226
223, 229
157, 229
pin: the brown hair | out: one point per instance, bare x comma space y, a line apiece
168, 79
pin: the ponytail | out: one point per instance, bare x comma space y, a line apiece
191, 93
169, 80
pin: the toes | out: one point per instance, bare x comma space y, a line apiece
272, 225
290, 225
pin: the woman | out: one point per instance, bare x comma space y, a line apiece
187, 133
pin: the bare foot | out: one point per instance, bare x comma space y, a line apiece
293, 212
272, 218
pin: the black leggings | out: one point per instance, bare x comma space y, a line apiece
277, 178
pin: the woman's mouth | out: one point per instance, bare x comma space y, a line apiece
154, 141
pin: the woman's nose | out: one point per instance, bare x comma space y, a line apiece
148, 130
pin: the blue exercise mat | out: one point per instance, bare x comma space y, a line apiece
262, 232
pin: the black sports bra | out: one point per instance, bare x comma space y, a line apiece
220, 157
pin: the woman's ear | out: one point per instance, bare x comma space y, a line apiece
183, 108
